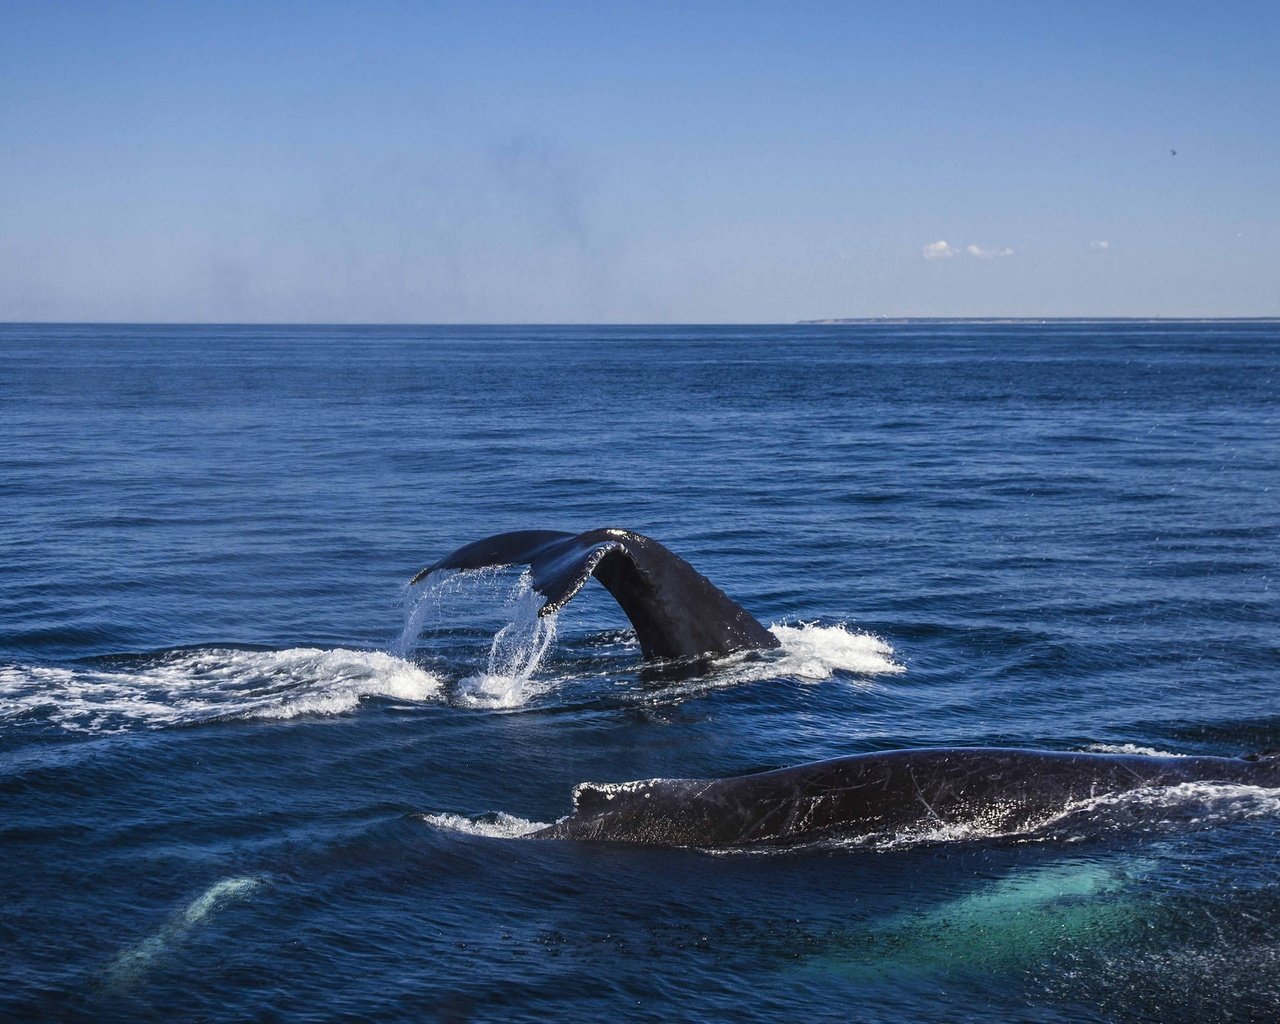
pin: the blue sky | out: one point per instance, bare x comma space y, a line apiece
597, 162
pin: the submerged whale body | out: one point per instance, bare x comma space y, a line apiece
676, 611
1002, 790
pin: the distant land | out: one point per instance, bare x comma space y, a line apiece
1041, 320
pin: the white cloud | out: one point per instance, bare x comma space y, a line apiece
987, 254
1100, 244
939, 251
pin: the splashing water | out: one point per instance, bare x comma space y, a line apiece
517, 648
426, 602
515, 654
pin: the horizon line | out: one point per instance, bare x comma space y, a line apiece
820, 322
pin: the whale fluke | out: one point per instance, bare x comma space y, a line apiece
676, 611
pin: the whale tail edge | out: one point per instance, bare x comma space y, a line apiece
676, 611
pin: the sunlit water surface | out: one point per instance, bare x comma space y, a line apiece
246, 773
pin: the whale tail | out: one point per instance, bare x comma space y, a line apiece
676, 611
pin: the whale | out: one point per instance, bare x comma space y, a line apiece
941, 791
677, 613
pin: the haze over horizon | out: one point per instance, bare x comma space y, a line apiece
574, 163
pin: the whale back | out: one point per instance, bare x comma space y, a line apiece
984, 791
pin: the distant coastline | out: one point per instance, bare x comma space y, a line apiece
836, 321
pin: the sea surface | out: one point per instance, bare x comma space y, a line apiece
247, 773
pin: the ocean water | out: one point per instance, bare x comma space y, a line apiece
246, 773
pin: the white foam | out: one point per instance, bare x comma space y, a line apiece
810, 651
1129, 748
491, 826
189, 686
498, 692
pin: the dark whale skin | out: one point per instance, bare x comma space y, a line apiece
677, 612
1004, 789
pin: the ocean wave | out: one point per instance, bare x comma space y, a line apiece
190, 686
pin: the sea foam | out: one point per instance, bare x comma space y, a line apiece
184, 687
810, 651
492, 826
